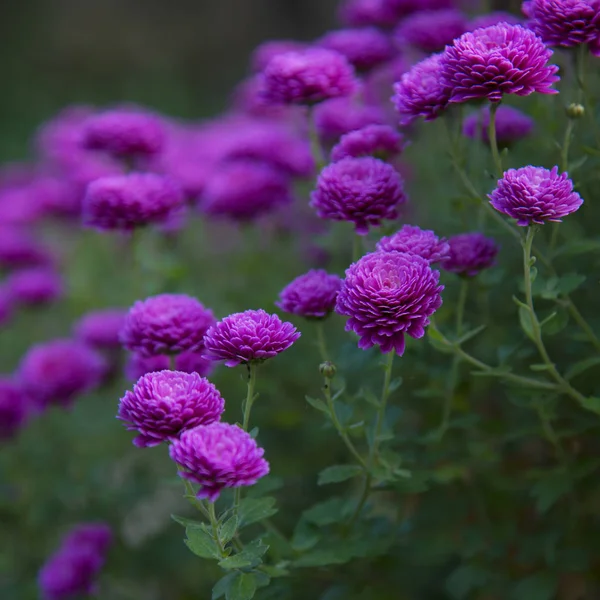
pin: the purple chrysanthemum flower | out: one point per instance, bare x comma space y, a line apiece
565, 23
187, 362
166, 324
379, 141
95, 536
218, 456
364, 47
129, 201
310, 295
262, 54
336, 117
358, 13
101, 328
14, 408
124, 133
19, 249
497, 60
421, 92
35, 286
245, 189
165, 403
431, 30
535, 195
57, 372
387, 295
414, 240
511, 125
470, 253
307, 77
494, 18
363, 191
249, 337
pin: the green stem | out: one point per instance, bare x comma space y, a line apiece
214, 523
172, 366
583, 324
316, 147
356, 247
536, 331
551, 436
564, 166
321, 344
493, 139
581, 59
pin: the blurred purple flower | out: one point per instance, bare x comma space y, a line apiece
69, 574
34, 286
101, 328
187, 362
96, 536
414, 240
431, 30
18, 248
311, 295
263, 53
218, 456
470, 253
379, 141
14, 408
511, 125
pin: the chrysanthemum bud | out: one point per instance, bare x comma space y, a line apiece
575, 110
327, 369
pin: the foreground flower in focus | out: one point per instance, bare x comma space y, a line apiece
414, 240
364, 191
166, 324
218, 456
535, 195
421, 92
387, 295
128, 201
14, 408
101, 328
249, 337
57, 372
497, 60
379, 141
307, 77
165, 403
511, 125
311, 295
470, 253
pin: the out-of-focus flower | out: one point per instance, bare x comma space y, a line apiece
422, 92
18, 249
251, 336
379, 141
14, 408
58, 371
308, 77
96, 536
385, 13
128, 201
364, 191
165, 403
431, 30
497, 60
535, 195
310, 295
470, 253
414, 240
387, 295
166, 324
262, 54
101, 328
34, 286
218, 456
511, 125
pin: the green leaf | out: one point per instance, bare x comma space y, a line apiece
220, 588
250, 556
370, 396
592, 404
569, 283
338, 473
579, 247
540, 367
438, 341
318, 404
466, 579
395, 384
243, 587
228, 529
331, 511
580, 367
470, 335
555, 322
539, 586
525, 321
278, 570
201, 543
252, 510
321, 558
305, 536
550, 489
188, 522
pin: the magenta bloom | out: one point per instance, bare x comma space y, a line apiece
535, 195
421, 92
101, 328
69, 574
249, 337
129, 201
244, 190
511, 125
218, 456
364, 47
14, 408
358, 13
470, 253
387, 295
19, 249
187, 362
166, 324
497, 60
494, 18
307, 77
414, 240
336, 117
95, 536
262, 54
363, 191
124, 133
58, 371
165, 403
380, 141
431, 30
311, 295
565, 23
35, 286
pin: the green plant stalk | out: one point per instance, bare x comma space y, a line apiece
356, 247
561, 382
550, 435
493, 139
214, 523
316, 148
172, 362
581, 61
321, 343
